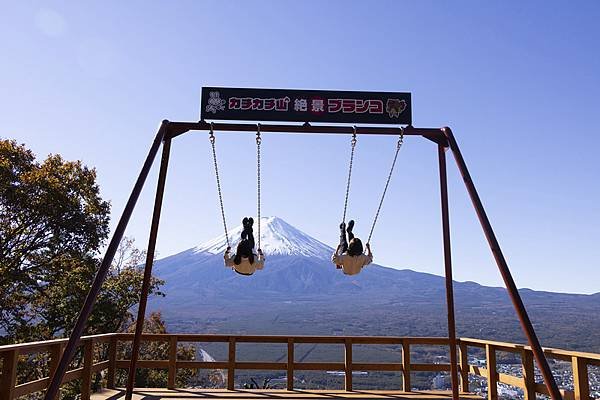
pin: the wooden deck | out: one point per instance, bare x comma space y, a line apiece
215, 394
105, 354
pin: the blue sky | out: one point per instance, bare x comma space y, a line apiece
517, 82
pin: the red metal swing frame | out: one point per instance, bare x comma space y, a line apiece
167, 131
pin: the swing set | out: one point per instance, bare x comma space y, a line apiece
353, 143
391, 109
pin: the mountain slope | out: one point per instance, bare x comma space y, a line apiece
300, 291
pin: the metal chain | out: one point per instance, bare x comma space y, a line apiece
352, 145
214, 153
398, 146
258, 142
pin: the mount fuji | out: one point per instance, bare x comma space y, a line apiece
278, 238
301, 292
297, 265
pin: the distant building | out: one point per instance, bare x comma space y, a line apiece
439, 382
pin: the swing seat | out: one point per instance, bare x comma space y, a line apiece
212, 141
399, 144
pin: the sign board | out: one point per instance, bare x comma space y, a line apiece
219, 103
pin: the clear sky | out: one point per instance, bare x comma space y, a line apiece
517, 81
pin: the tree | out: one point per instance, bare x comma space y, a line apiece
51, 217
156, 351
53, 224
63, 299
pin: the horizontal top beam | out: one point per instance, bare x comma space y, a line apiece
178, 128
44, 344
517, 348
560, 354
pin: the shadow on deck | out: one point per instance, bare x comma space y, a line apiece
174, 394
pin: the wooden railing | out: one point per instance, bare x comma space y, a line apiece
579, 366
10, 354
348, 366
9, 389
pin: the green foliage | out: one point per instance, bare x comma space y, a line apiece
156, 351
120, 291
51, 218
53, 224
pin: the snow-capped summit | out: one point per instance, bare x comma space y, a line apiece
277, 238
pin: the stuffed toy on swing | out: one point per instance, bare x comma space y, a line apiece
349, 256
244, 261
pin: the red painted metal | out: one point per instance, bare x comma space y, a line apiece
504, 270
168, 130
448, 270
433, 134
139, 326
59, 373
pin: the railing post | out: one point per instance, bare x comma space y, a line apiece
112, 362
231, 366
490, 358
55, 354
528, 374
290, 364
580, 378
405, 366
464, 367
348, 364
8, 380
88, 360
172, 362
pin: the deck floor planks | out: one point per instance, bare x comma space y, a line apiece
215, 394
